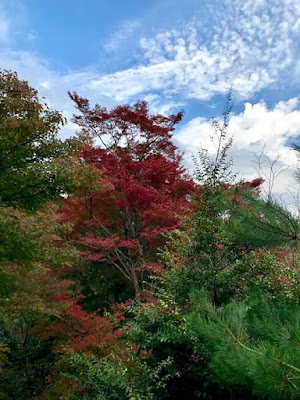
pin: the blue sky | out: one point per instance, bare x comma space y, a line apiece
175, 54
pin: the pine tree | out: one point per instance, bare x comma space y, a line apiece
253, 343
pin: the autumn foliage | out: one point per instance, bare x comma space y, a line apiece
123, 278
76, 330
146, 188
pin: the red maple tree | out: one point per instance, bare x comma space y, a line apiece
144, 187
77, 330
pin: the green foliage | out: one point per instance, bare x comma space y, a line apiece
35, 167
157, 325
116, 376
211, 171
258, 223
29, 147
27, 239
272, 271
28, 292
100, 284
254, 344
26, 364
213, 248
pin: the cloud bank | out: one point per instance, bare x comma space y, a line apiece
255, 129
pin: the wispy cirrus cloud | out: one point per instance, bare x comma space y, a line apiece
122, 34
6, 24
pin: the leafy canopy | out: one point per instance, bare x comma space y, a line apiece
29, 147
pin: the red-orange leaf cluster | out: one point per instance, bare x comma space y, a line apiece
147, 188
80, 331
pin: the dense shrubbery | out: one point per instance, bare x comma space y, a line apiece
123, 278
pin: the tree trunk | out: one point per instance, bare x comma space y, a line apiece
135, 282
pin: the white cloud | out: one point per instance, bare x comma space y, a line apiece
12, 22
32, 35
4, 25
254, 129
240, 47
53, 85
249, 45
38, 71
124, 32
